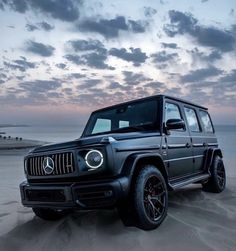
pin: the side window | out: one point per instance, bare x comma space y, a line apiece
123, 123
206, 121
172, 111
192, 119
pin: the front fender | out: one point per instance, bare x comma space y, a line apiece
134, 161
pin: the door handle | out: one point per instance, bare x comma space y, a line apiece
188, 145
205, 144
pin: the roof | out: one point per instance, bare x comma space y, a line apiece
152, 97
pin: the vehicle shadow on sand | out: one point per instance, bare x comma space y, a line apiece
93, 230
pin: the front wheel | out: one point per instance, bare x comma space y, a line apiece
217, 181
49, 214
149, 198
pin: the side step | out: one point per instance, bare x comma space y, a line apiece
183, 182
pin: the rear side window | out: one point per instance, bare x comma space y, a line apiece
172, 111
192, 119
206, 121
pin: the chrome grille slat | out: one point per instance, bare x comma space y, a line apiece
63, 164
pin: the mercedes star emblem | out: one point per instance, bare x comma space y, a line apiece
48, 165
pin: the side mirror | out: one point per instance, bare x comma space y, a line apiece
175, 124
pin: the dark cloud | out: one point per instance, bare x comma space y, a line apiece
137, 26
31, 27
132, 78
163, 57
115, 85
88, 84
96, 60
169, 45
136, 56
74, 59
200, 74
93, 60
61, 66
40, 48
184, 23
76, 75
155, 84
20, 64
87, 45
109, 28
46, 26
208, 57
17, 5
65, 10
229, 78
40, 86
39, 26
149, 11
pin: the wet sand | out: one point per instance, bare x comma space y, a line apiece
196, 221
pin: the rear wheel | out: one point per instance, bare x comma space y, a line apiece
49, 214
148, 199
217, 181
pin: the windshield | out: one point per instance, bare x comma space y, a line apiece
130, 117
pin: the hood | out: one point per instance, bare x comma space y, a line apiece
93, 140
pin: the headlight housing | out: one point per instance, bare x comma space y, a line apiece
94, 159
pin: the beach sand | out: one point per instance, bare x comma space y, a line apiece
196, 221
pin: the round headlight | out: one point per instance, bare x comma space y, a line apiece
94, 159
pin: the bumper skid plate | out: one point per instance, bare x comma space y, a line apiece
81, 196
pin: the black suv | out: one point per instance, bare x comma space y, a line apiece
129, 157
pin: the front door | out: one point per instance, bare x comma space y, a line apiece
178, 144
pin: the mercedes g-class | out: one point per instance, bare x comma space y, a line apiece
129, 157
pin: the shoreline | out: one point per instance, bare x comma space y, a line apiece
14, 144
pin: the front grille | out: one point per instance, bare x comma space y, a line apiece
63, 164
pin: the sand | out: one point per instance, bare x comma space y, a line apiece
196, 221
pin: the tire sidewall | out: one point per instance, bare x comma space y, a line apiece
144, 175
217, 159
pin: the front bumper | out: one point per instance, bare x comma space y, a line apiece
102, 194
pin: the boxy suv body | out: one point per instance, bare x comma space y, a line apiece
129, 157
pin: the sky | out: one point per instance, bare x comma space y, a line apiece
62, 59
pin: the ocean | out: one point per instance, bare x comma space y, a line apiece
226, 135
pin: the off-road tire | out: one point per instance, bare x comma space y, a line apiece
216, 183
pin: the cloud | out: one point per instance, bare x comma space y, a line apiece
65, 10
93, 60
169, 45
20, 64
31, 27
208, 57
39, 26
136, 56
229, 78
46, 26
109, 28
163, 57
40, 48
149, 11
61, 66
184, 23
132, 78
88, 84
200, 74
40, 86
86, 45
